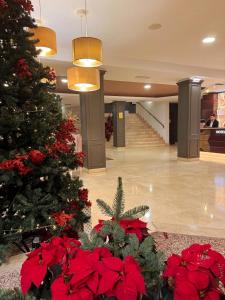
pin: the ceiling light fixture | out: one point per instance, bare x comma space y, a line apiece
46, 38
87, 51
83, 79
209, 40
147, 86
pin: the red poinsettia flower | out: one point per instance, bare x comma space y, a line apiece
196, 273
36, 157
122, 279
50, 253
35, 268
61, 218
172, 265
88, 267
65, 291
131, 226
185, 291
212, 295
199, 279
135, 226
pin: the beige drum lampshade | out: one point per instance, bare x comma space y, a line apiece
87, 52
83, 79
47, 40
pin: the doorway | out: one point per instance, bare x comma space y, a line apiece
173, 123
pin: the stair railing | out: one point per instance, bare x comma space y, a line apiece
151, 114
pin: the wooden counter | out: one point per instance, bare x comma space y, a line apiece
212, 140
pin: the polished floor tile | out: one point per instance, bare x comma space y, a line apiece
184, 197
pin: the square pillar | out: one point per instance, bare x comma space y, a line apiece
189, 106
119, 138
92, 113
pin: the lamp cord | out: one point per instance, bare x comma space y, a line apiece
81, 25
40, 12
85, 1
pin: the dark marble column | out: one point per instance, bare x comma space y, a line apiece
189, 104
93, 127
119, 138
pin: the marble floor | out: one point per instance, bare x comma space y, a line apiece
184, 197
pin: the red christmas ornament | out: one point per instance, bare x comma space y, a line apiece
26, 4
36, 157
22, 69
3, 4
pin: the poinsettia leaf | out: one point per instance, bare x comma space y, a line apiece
38, 274
107, 282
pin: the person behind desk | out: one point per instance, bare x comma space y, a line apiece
212, 122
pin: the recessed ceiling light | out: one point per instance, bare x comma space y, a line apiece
155, 26
147, 86
209, 40
64, 80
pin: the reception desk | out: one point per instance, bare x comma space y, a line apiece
212, 140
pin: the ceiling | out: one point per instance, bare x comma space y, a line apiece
126, 89
134, 53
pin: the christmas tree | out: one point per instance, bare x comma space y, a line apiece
37, 145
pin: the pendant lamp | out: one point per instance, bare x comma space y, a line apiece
46, 38
87, 51
83, 79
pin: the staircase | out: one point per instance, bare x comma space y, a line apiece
140, 134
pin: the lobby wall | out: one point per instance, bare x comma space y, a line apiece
213, 103
160, 109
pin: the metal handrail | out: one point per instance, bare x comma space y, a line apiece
154, 117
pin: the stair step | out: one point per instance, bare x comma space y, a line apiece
139, 134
